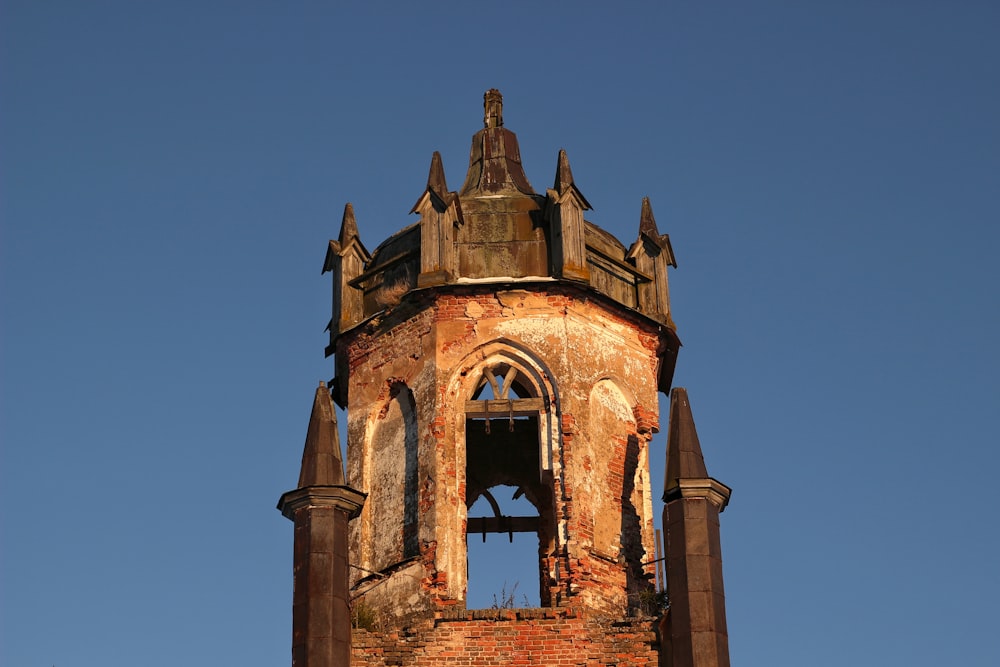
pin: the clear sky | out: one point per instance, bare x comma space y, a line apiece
829, 174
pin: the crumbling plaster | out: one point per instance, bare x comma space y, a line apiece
436, 352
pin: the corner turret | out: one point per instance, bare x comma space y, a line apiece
652, 254
564, 207
696, 620
440, 212
346, 258
321, 508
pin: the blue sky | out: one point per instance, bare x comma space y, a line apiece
170, 173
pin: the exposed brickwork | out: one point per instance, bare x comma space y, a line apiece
528, 637
593, 447
505, 342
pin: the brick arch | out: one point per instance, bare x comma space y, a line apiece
539, 485
466, 374
504, 350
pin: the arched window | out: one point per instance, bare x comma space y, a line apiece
508, 485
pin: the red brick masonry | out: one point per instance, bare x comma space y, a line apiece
528, 637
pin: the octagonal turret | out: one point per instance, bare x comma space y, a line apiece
502, 340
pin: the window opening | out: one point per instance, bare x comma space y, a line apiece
500, 383
509, 529
502, 562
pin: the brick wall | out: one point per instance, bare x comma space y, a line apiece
595, 365
524, 637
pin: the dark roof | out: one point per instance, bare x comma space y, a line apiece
684, 457
321, 461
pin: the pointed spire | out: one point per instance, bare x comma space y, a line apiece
564, 175
321, 461
647, 223
435, 179
684, 457
321, 508
435, 183
693, 500
649, 231
564, 180
348, 226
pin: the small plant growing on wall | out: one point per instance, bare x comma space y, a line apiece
507, 599
364, 616
653, 602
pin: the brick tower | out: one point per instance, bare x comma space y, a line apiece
504, 340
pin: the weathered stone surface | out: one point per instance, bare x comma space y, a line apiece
496, 226
580, 459
505, 340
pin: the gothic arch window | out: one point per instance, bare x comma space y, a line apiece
508, 475
502, 382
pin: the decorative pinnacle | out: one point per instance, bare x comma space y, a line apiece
435, 179
493, 108
564, 175
348, 226
686, 474
647, 223
321, 462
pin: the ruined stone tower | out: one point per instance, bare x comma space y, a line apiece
505, 340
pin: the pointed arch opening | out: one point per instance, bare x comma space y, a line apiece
511, 531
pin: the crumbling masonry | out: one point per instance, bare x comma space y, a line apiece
503, 340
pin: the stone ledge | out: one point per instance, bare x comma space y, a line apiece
339, 496
516, 614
